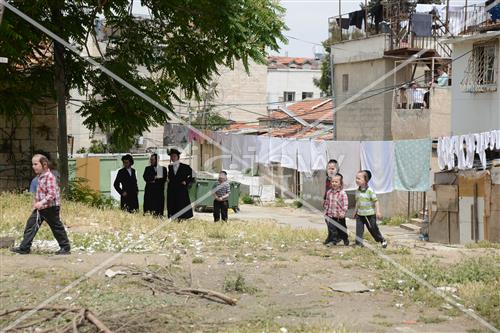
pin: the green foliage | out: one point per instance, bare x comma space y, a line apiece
395, 221
179, 48
79, 191
247, 199
297, 204
279, 202
237, 283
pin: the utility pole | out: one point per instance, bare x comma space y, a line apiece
3, 60
332, 82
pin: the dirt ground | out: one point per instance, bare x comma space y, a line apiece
285, 288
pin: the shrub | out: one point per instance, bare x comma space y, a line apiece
79, 191
247, 199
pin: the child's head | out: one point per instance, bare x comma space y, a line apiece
363, 177
332, 168
39, 163
337, 181
222, 176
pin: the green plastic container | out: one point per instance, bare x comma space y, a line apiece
204, 186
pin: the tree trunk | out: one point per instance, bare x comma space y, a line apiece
60, 87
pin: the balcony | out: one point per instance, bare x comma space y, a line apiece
433, 120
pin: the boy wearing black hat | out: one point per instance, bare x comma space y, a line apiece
126, 185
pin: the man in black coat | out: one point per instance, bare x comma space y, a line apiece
126, 185
155, 177
180, 177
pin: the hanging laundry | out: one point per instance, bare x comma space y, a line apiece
377, 13
249, 150
470, 140
263, 142
275, 149
497, 132
344, 24
481, 148
318, 155
441, 152
378, 157
460, 152
238, 160
347, 155
421, 24
356, 18
289, 154
304, 156
413, 167
195, 135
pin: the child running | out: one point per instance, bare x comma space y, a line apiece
335, 205
367, 210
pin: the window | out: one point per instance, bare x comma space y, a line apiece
289, 96
306, 94
480, 74
345, 82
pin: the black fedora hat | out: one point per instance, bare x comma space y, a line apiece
174, 151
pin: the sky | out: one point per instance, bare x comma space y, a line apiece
307, 20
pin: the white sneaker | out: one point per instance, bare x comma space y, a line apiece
384, 244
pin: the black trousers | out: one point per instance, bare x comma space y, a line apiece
339, 233
51, 216
220, 209
371, 223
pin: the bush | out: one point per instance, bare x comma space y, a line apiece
79, 191
247, 199
237, 283
297, 204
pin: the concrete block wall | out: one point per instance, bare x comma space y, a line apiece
21, 135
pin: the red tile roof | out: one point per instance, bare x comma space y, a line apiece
310, 110
278, 62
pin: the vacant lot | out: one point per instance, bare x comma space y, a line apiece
279, 275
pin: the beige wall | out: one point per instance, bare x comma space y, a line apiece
19, 137
368, 119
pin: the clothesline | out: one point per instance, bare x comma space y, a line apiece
459, 150
395, 165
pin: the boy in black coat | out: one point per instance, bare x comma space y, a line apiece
126, 185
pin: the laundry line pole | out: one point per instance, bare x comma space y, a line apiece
340, 20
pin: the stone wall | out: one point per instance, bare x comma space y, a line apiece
20, 136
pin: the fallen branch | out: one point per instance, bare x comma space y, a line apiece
165, 283
80, 317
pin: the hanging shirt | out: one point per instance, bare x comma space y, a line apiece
318, 155
263, 149
304, 156
378, 157
471, 147
289, 154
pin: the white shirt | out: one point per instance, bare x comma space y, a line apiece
175, 166
129, 172
417, 95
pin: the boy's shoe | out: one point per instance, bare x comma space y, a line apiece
18, 250
346, 242
384, 243
62, 252
330, 244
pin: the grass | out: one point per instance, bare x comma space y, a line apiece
476, 280
237, 283
483, 245
394, 221
111, 230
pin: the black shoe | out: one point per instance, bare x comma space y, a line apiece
346, 242
18, 250
63, 252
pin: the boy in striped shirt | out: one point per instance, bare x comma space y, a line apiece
221, 196
46, 207
367, 210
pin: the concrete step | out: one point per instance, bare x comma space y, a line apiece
417, 221
411, 227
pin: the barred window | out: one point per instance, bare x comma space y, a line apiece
481, 72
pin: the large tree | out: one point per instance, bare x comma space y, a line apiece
179, 46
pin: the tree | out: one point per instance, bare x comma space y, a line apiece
180, 46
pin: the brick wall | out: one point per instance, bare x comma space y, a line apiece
21, 135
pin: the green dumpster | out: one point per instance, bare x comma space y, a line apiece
201, 201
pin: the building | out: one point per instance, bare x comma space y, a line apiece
292, 79
475, 94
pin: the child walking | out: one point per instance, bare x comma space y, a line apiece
336, 204
46, 207
221, 196
332, 169
367, 210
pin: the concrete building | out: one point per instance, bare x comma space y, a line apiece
475, 94
292, 79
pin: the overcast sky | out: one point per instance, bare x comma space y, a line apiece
308, 20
